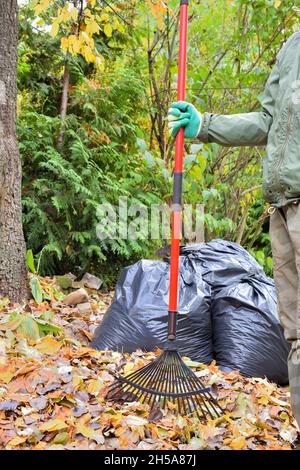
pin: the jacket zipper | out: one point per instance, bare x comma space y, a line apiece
281, 158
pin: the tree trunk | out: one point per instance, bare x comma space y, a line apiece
13, 271
64, 105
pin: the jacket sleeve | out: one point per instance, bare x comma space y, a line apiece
246, 129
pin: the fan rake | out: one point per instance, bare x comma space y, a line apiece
168, 380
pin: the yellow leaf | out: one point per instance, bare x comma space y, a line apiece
41, 6
108, 30
65, 13
86, 431
277, 3
239, 443
128, 367
76, 381
12, 323
104, 17
48, 345
61, 438
118, 26
94, 386
91, 27
16, 441
64, 43
74, 44
263, 400
74, 13
88, 54
53, 425
40, 446
203, 48
86, 40
54, 28
6, 373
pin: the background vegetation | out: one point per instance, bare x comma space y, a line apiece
95, 85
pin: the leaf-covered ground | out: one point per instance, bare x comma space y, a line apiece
53, 386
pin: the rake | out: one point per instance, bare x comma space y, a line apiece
168, 379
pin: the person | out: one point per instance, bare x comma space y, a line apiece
277, 125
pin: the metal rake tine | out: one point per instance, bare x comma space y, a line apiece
153, 377
126, 386
197, 381
181, 389
190, 377
165, 379
201, 398
189, 374
139, 372
199, 384
158, 378
160, 382
167, 384
212, 401
177, 390
122, 391
173, 384
186, 391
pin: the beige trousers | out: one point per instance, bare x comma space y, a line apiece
285, 240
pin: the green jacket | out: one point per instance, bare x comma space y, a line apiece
277, 126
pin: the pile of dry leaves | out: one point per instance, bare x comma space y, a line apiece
53, 386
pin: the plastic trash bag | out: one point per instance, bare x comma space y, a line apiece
222, 263
227, 305
247, 332
137, 317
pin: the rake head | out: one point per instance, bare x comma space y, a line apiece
167, 379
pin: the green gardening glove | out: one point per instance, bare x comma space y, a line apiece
183, 114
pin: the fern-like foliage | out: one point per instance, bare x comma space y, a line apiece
99, 162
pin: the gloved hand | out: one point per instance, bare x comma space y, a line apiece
183, 114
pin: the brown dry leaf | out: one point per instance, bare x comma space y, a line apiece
58, 387
25, 369
86, 333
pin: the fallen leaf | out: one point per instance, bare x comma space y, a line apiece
135, 421
6, 373
61, 438
196, 443
9, 405
48, 345
239, 443
94, 386
16, 441
86, 431
53, 425
38, 403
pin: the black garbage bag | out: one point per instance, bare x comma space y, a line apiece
137, 317
222, 263
247, 332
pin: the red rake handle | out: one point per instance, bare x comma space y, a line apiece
178, 173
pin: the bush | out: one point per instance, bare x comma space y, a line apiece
99, 162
